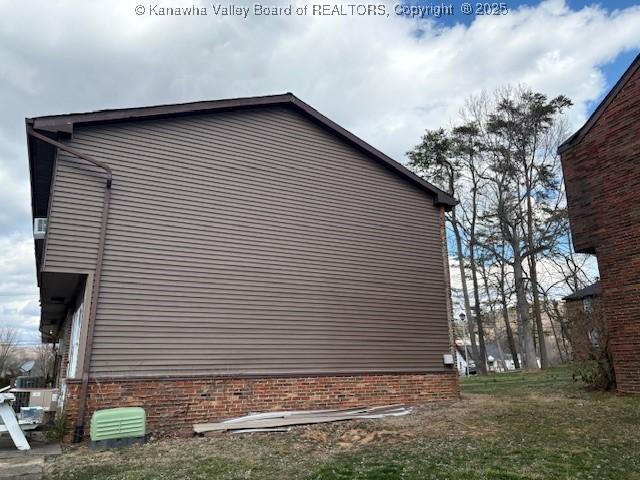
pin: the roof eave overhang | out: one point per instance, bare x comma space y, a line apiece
41, 157
65, 124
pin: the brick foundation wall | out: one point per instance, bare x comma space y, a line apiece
602, 175
174, 405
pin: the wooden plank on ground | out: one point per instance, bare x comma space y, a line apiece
299, 418
284, 414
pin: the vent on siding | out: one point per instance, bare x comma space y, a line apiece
39, 228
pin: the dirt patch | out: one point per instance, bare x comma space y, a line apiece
358, 437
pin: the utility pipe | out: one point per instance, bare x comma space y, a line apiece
79, 425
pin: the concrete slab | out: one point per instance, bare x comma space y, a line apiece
27, 464
40, 447
22, 468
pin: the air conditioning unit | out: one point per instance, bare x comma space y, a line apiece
39, 228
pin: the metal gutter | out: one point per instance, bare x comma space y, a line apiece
79, 425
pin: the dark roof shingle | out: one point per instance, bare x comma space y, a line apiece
590, 291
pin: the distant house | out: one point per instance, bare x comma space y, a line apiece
583, 300
601, 164
497, 359
208, 259
581, 306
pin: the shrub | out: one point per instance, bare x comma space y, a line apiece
588, 335
56, 429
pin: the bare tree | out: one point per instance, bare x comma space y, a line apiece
520, 127
501, 163
502, 291
503, 209
8, 344
491, 302
45, 357
467, 147
507, 216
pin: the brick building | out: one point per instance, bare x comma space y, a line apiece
584, 321
601, 164
583, 300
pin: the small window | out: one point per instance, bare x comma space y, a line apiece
587, 305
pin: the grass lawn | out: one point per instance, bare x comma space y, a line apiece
510, 426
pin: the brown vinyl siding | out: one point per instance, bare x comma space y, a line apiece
74, 217
250, 242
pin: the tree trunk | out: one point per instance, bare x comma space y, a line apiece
527, 348
505, 316
492, 312
555, 336
482, 360
465, 290
499, 347
563, 328
533, 277
533, 274
553, 318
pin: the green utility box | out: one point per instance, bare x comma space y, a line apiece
115, 427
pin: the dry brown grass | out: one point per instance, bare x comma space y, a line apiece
523, 426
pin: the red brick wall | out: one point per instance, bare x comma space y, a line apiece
602, 174
174, 405
65, 336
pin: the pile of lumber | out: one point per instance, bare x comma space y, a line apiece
280, 421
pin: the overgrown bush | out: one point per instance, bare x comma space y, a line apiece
588, 335
55, 430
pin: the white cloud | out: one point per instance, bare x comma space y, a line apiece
375, 76
19, 306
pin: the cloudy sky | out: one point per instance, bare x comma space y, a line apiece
384, 78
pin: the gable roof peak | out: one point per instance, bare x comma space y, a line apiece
602, 107
66, 123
